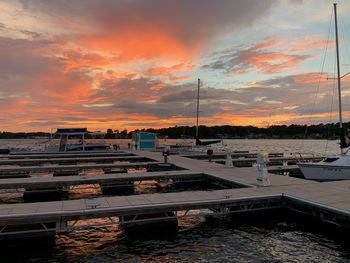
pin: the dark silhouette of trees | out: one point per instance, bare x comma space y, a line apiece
293, 131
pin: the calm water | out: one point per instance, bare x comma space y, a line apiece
318, 147
219, 239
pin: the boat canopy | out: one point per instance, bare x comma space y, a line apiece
71, 131
199, 142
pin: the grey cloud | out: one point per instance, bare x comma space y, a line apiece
161, 110
66, 118
194, 19
243, 59
31, 34
46, 123
19, 57
302, 95
182, 96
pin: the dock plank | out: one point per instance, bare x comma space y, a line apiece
118, 201
52, 168
16, 183
97, 202
137, 200
41, 161
72, 205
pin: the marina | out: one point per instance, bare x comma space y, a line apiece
174, 131
325, 201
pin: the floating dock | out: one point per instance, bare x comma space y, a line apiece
35, 155
96, 159
243, 154
53, 168
328, 201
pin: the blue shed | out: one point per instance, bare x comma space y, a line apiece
145, 140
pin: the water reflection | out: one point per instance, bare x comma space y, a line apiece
277, 237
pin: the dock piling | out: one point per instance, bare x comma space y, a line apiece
166, 153
263, 178
228, 159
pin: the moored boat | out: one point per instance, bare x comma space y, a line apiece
336, 167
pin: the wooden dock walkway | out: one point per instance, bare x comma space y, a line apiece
73, 159
45, 155
328, 201
58, 181
46, 212
78, 167
246, 162
204, 156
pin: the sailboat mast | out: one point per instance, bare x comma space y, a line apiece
199, 83
338, 69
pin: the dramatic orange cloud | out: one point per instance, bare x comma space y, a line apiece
269, 42
167, 71
311, 78
78, 61
310, 42
174, 79
134, 44
258, 110
271, 62
172, 72
64, 89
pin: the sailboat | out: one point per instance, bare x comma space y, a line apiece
198, 141
335, 167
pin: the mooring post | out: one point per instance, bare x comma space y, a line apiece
263, 178
228, 159
210, 154
166, 153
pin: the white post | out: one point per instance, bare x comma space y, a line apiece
166, 153
228, 159
263, 178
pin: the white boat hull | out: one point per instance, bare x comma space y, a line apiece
322, 172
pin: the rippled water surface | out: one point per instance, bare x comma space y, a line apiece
214, 239
218, 239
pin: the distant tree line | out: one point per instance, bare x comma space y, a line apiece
22, 135
319, 131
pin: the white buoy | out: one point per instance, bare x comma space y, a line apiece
228, 159
263, 178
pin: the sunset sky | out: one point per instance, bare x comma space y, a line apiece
128, 64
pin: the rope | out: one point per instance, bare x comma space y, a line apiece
331, 110
321, 71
